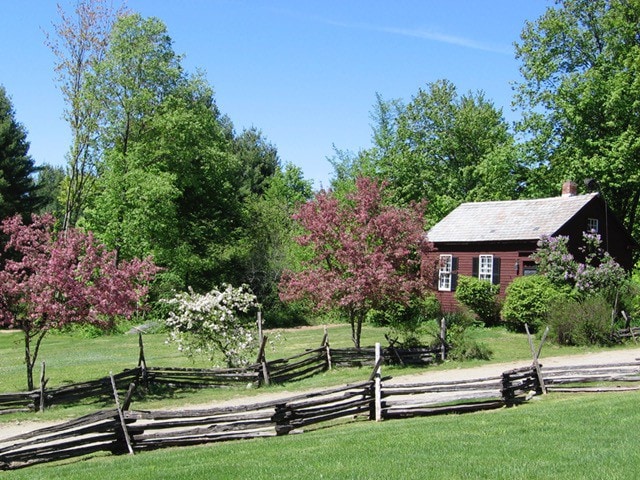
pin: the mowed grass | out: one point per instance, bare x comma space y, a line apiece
553, 437
71, 358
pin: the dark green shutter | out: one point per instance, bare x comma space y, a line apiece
496, 271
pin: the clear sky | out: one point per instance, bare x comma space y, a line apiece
305, 73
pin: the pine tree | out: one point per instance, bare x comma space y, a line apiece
18, 192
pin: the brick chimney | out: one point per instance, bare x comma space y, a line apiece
569, 189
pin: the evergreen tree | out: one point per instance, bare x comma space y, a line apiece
18, 192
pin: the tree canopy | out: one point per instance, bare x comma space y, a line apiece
364, 253
580, 65
18, 191
443, 146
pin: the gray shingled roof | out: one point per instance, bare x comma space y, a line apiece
507, 220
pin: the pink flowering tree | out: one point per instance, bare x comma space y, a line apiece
364, 254
50, 280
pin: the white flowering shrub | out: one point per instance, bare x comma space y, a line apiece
216, 321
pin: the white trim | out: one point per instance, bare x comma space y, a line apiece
593, 225
485, 267
445, 276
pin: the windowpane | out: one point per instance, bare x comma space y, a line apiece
485, 270
444, 273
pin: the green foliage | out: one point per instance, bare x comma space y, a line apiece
460, 337
584, 321
18, 192
407, 323
458, 146
580, 65
527, 301
481, 297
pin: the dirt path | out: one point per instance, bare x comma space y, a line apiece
600, 358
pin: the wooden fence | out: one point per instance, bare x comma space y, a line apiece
122, 430
262, 372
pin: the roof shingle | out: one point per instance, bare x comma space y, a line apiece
507, 220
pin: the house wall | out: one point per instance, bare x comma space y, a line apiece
510, 255
615, 238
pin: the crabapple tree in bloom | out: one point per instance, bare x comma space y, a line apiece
49, 280
215, 321
365, 253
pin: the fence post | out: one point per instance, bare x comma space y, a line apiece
263, 361
142, 363
259, 322
377, 384
536, 355
43, 383
325, 344
123, 423
443, 339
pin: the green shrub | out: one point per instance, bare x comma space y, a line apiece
406, 322
461, 347
581, 321
481, 297
527, 301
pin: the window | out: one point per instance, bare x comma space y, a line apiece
485, 271
592, 225
444, 273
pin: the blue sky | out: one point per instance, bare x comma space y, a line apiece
305, 73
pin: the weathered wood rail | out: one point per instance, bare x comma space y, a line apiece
120, 431
263, 372
582, 377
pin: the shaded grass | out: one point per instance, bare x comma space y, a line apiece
559, 437
73, 359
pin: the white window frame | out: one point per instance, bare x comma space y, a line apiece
593, 225
445, 273
485, 267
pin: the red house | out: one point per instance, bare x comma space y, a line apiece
493, 240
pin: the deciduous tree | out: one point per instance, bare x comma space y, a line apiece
580, 63
49, 280
363, 253
79, 41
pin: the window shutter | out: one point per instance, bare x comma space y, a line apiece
475, 262
454, 273
496, 271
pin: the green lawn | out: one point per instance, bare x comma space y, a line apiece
552, 437
71, 358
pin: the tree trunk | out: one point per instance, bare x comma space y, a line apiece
27, 360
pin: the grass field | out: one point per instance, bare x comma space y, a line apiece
71, 358
553, 437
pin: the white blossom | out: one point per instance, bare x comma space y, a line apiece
205, 323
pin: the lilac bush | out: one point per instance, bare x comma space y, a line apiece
599, 273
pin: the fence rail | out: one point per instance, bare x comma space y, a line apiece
119, 431
263, 372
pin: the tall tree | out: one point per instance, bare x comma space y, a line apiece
364, 253
168, 178
452, 147
269, 239
51, 187
50, 280
18, 192
580, 63
79, 41
258, 161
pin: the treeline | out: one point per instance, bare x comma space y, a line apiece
155, 168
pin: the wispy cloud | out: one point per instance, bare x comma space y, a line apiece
429, 35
